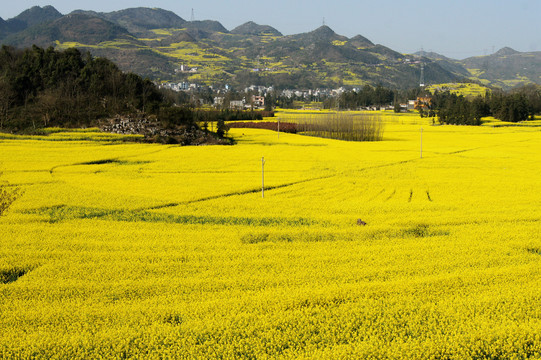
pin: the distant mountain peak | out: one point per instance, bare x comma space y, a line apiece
431, 55
50, 8
38, 15
361, 41
321, 34
209, 26
141, 19
324, 30
506, 51
251, 28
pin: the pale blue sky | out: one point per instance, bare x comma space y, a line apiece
455, 28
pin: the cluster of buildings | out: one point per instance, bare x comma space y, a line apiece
253, 102
423, 103
308, 94
181, 86
186, 69
253, 97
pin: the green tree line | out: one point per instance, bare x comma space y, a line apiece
364, 97
518, 105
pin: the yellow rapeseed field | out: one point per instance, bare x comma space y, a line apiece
145, 251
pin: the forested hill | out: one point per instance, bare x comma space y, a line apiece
155, 43
40, 88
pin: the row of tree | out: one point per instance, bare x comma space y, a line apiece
519, 105
364, 97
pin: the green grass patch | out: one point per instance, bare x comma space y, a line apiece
12, 274
534, 250
61, 213
113, 161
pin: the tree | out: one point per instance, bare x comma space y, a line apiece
47, 106
511, 107
269, 101
221, 128
7, 99
532, 96
480, 109
456, 110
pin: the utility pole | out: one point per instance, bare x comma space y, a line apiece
278, 128
262, 177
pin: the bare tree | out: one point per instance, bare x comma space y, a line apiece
47, 105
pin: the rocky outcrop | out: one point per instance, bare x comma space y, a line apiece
153, 131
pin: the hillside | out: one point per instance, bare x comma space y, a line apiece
139, 21
506, 68
156, 42
3, 28
76, 29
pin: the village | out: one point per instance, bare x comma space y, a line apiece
255, 97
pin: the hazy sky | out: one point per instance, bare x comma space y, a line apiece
455, 28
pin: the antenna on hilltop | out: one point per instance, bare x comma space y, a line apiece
422, 78
193, 16
324, 21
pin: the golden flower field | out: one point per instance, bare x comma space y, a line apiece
146, 251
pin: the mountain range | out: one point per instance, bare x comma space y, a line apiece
159, 44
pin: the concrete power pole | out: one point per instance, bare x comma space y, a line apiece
262, 177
